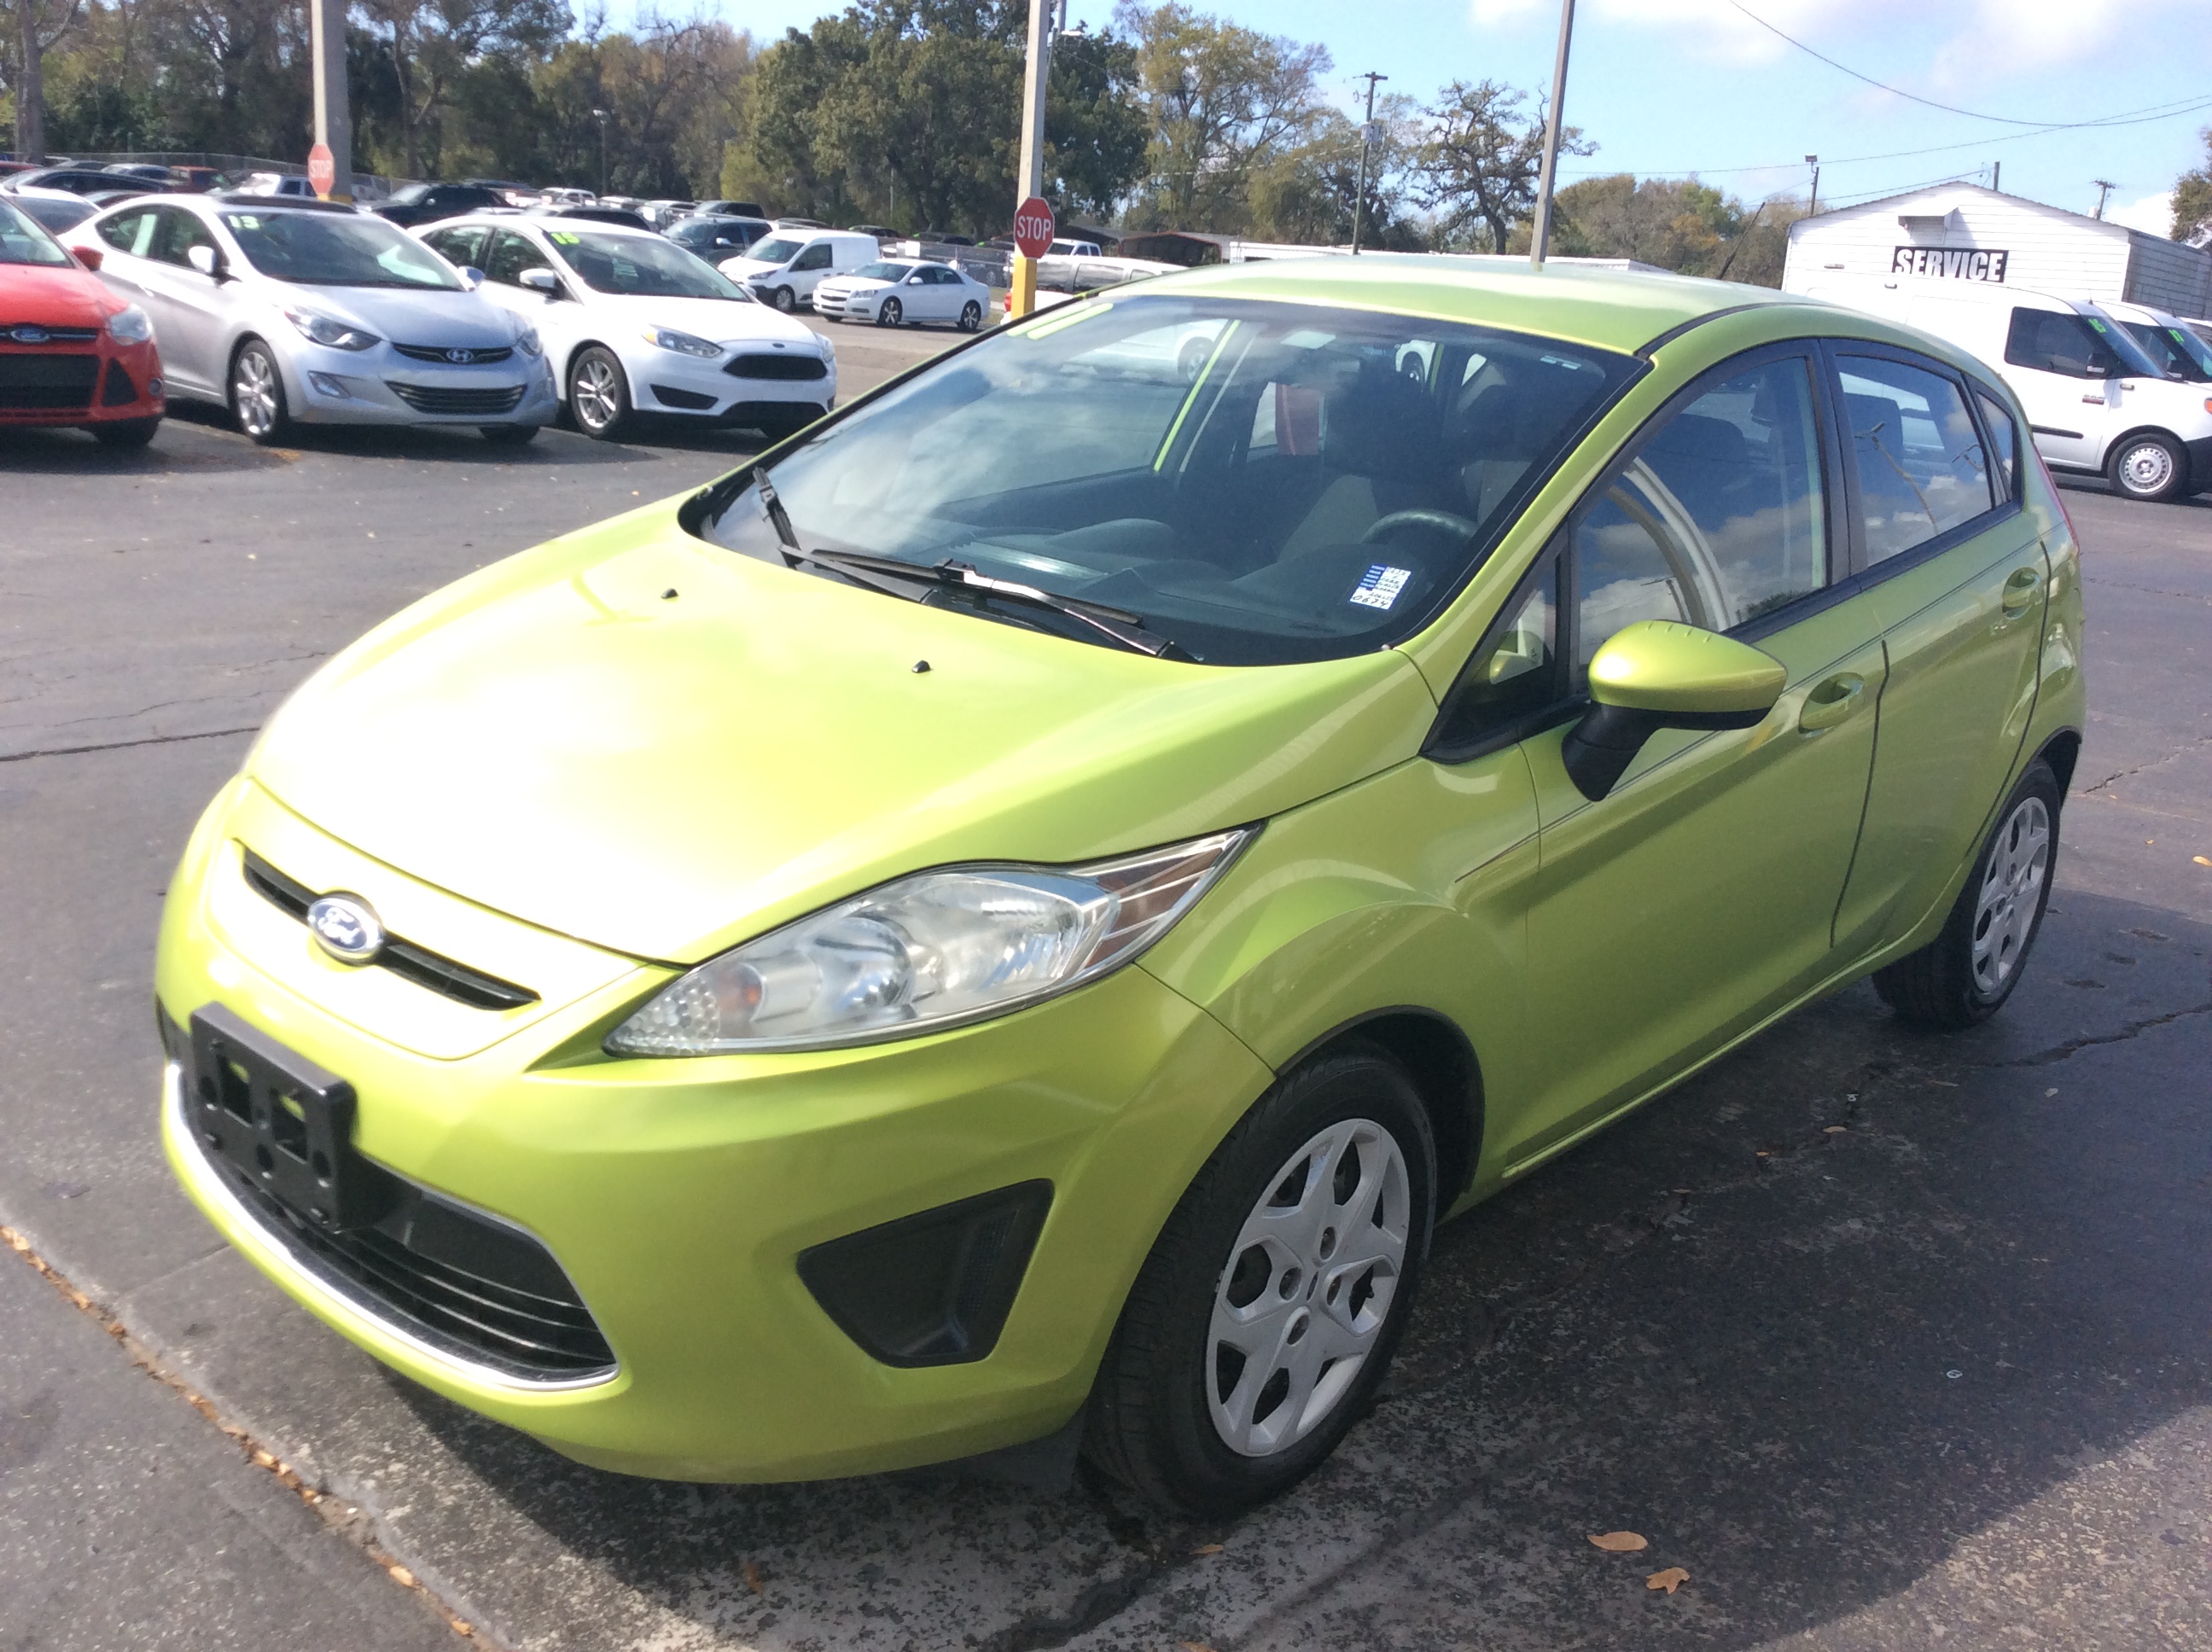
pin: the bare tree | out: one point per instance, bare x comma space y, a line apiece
40, 25
1478, 170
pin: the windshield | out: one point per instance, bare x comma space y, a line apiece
2174, 351
1262, 483
25, 240
640, 266
705, 232
335, 252
54, 216
882, 272
779, 249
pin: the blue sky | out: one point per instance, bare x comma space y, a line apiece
1676, 86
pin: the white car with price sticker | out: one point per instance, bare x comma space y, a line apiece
902, 292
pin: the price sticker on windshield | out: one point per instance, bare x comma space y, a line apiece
1379, 586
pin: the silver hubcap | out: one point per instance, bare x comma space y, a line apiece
253, 392
2147, 468
2012, 889
596, 397
889, 315
1308, 1288
971, 317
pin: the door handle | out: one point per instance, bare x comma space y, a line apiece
1832, 703
2019, 590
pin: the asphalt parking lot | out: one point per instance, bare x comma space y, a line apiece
1886, 1340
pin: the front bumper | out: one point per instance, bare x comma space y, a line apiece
720, 390
378, 386
678, 1195
846, 306
96, 381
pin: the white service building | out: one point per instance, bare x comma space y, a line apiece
1962, 231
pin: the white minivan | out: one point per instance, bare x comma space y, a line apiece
2098, 403
785, 270
2175, 349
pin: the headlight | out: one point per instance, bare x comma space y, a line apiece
683, 343
929, 952
527, 342
322, 330
129, 325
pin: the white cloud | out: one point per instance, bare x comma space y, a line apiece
2153, 215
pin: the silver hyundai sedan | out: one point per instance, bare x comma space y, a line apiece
285, 311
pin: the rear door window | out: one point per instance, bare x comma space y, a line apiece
1922, 467
2004, 437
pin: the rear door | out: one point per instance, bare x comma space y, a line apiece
1941, 545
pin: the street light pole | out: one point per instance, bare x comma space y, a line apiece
1022, 277
333, 118
1366, 142
1546, 179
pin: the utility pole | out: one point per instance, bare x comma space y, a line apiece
1366, 143
333, 117
2105, 186
600, 115
1813, 206
1022, 279
1549, 175
1996, 177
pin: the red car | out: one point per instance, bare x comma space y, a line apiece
70, 351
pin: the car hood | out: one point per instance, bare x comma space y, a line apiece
53, 295
407, 318
849, 284
725, 321
635, 739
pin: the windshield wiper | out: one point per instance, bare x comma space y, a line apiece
853, 569
1118, 625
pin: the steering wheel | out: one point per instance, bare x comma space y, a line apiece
1444, 521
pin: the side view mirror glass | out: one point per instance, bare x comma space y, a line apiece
1658, 674
541, 280
205, 259
471, 277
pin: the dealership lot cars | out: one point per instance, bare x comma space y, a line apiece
896, 294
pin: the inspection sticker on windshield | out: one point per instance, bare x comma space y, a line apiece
1379, 586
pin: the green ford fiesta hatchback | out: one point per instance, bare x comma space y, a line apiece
1021, 911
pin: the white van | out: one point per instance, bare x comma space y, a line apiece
785, 270
2098, 404
2174, 347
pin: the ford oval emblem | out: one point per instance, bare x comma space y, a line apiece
30, 335
346, 927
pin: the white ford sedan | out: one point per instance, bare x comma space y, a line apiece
634, 324
893, 293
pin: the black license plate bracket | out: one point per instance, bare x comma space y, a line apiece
282, 1121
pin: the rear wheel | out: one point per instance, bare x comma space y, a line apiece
889, 314
1266, 1314
971, 317
126, 432
257, 394
598, 393
1964, 975
2150, 467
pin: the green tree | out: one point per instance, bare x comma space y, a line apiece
436, 43
1477, 168
1094, 127
2192, 198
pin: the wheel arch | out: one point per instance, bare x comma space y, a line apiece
2137, 433
2062, 751
1437, 1053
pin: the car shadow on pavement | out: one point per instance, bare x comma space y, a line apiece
61, 451
1843, 1326
557, 445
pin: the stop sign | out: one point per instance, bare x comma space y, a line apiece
1034, 227
322, 170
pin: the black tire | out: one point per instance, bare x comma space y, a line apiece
1152, 1420
783, 300
971, 317
1944, 986
598, 393
509, 435
256, 394
889, 313
125, 432
2150, 467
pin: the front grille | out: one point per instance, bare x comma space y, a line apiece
427, 399
472, 357
778, 366
53, 335
47, 380
403, 957
466, 1285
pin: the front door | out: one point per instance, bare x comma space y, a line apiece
1698, 895
2063, 370
1945, 551
191, 327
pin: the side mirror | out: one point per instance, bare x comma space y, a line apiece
914, 280
205, 259
541, 280
471, 277
89, 257
1660, 674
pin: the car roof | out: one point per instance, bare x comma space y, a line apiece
1607, 309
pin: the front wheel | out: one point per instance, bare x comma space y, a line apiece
257, 394
971, 317
1962, 976
598, 394
888, 314
1266, 1314
2152, 468
784, 301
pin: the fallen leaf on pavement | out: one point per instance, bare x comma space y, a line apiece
752, 1577
2201, 861
1207, 1548
1835, 1130
1194, 1646
1670, 1580
1620, 1542
402, 1576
